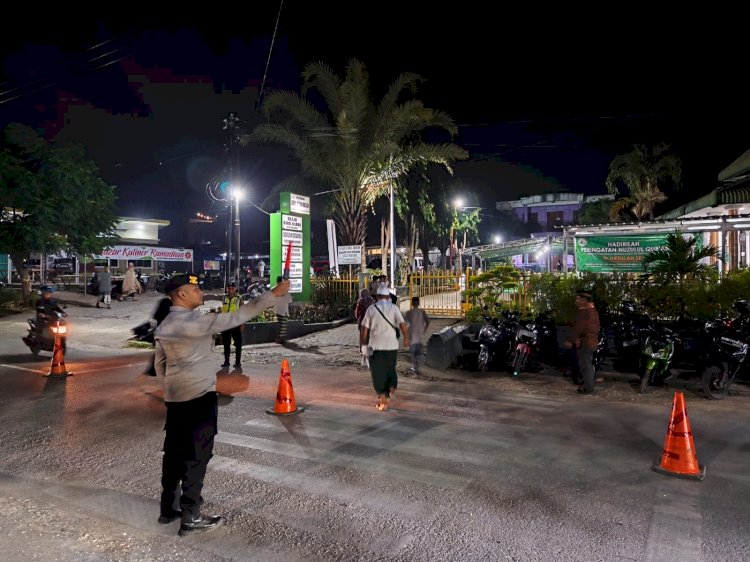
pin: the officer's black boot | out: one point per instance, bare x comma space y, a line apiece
199, 524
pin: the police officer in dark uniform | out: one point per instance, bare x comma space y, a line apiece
232, 302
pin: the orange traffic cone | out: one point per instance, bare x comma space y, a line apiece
57, 368
285, 404
678, 457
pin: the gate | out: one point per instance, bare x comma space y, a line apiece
440, 292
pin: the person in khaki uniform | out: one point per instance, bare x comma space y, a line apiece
184, 359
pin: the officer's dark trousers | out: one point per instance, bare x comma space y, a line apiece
188, 446
226, 338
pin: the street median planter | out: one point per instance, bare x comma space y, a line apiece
267, 332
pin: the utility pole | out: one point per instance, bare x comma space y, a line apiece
230, 124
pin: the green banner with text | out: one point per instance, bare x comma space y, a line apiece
610, 254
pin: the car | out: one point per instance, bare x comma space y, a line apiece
64, 265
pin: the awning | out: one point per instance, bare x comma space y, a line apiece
493, 252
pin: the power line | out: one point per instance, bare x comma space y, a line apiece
96, 61
268, 61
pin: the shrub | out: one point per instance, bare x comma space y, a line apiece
10, 299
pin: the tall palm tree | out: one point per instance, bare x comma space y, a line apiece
680, 260
643, 171
353, 145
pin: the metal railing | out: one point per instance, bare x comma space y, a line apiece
329, 290
440, 292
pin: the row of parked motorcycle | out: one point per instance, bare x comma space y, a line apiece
716, 350
508, 341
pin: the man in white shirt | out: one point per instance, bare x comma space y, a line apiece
380, 333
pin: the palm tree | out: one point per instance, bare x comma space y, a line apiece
356, 147
643, 170
680, 260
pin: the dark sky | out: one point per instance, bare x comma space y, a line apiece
544, 98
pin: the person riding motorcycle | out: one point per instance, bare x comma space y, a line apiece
46, 310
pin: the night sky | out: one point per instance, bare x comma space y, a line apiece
544, 98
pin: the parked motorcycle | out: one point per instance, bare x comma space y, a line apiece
255, 289
601, 351
534, 341
43, 329
724, 359
496, 340
656, 357
627, 331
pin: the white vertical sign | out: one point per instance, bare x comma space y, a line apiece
332, 249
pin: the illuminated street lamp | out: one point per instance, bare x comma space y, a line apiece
498, 238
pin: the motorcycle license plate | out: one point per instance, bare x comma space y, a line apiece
526, 334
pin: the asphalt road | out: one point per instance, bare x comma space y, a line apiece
459, 469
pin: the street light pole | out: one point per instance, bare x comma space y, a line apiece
231, 125
228, 258
238, 266
393, 242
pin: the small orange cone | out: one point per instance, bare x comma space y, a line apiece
57, 368
678, 457
285, 404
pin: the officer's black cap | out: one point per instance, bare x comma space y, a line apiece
177, 281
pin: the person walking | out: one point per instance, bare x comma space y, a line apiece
261, 269
281, 308
232, 302
380, 333
374, 284
104, 279
184, 343
586, 334
130, 285
157, 317
365, 301
417, 322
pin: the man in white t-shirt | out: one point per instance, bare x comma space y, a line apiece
380, 333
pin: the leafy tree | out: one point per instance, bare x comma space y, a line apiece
643, 171
595, 212
354, 146
51, 199
680, 260
488, 288
423, 201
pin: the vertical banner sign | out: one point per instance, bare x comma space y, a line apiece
290, 244
332, 247
616, 253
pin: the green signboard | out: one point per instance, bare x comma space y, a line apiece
292, 225
615, 253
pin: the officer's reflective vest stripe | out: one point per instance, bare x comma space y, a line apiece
231, 303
